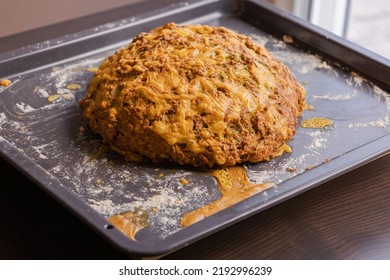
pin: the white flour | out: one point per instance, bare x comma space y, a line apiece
336, 96
382, 95
381, 123
24, 108
357, 81
3, 119
42, 92
302, 62
261, 40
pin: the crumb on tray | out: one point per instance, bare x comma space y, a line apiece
5, 82
288, 39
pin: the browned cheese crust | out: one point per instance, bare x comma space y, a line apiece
198, 95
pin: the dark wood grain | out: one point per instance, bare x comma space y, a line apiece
346, 218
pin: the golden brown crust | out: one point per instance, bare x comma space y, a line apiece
197, 95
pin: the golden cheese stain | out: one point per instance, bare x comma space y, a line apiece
73, 86
130, 222
92, 69
316, 122
53, 97
234, 185
284, 149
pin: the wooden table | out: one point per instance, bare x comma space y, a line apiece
346, 218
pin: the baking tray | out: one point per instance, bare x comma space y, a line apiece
43, 134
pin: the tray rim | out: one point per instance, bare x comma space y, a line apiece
55, 189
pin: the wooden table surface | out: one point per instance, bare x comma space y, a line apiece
346, 218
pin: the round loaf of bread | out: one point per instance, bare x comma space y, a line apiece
197, 95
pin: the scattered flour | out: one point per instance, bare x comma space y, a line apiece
276, 172
65, 75
304, 63
3, 119
382, 123
324, 65
381, 94
41, 92
319, 141
24, 108
261, 40
336, 96
279, 44
355, 80
164, 207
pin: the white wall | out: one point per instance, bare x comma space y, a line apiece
22, 15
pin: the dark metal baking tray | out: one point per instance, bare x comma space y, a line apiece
50, 143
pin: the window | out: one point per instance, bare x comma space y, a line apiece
364, 22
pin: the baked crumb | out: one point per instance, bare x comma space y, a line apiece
5, 82
291, 169
310, 167
288, 39
184, 181
177, 201
73, 86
